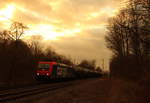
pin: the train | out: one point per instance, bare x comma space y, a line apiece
53, 71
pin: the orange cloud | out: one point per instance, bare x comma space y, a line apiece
70, 24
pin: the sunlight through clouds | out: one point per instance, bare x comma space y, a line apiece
70, 23
6, 15
50, 32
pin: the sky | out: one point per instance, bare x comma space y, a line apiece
75, 28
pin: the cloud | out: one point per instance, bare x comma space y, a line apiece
82, 21
90, 45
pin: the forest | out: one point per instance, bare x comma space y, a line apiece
129, 40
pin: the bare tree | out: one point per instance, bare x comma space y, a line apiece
129, 31
36, 46
17, 30
129, 37
4, 35
118, 35
88, 64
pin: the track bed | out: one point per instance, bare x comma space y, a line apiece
80, 91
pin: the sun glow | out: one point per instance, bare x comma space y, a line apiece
7, 13
51, 29
50, 32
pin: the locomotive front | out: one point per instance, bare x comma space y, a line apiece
44, 70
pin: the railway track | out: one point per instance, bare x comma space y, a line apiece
10, 95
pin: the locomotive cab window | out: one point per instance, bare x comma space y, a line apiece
43, 66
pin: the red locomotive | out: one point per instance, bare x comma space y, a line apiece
54, 70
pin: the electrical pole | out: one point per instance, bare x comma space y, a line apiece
103, 64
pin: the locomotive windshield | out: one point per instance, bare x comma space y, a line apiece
43, 66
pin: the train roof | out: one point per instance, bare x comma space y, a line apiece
53, 62
47, 62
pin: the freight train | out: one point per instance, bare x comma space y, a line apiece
54, 70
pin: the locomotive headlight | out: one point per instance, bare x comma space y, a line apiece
38, 73
47, 74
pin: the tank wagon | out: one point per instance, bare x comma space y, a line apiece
54, 70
